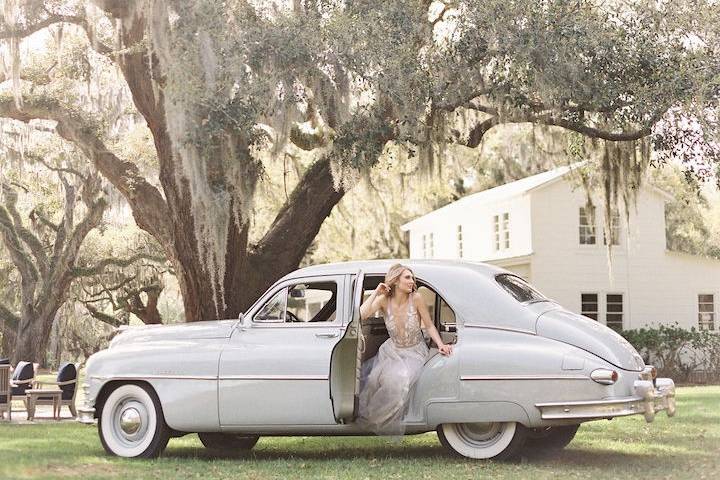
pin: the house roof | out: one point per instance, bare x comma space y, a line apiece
507, 190
513, 189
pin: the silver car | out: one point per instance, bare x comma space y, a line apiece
524, 373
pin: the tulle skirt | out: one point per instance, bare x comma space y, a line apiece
386, 381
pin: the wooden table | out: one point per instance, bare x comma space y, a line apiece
33, 395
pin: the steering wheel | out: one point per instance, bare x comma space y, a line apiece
291, 317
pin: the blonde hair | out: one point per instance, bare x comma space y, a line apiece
392, 277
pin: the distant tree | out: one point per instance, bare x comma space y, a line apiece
218, 81
45, 269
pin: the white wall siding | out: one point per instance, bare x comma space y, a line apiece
657, 286
476, 219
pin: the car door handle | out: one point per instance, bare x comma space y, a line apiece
327, 335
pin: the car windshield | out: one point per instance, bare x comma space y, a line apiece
520, 289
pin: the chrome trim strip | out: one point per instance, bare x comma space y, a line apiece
157, 377
274, 377
211, 377
494, 327
524, 377
590, 402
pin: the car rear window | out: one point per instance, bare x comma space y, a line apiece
519, 288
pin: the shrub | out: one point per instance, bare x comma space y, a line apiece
677, 352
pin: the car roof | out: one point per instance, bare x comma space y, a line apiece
382, 266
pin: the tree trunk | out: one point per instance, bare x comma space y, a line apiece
33, 335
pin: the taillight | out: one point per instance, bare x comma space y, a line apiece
604, 376
649, 373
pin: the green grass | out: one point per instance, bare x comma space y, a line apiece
686, 446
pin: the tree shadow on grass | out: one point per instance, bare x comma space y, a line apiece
602, 458
407, 452
433, 454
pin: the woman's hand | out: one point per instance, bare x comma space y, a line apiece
382, 289
445, 349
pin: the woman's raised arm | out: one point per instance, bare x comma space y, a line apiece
374, 301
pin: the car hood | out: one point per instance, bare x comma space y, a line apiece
182, 331
590, 335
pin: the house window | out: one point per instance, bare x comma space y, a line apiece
589, 306
506, 229
460, 241
614, 229
496, 231
501, 231
424, 243
706, 312
432, 246
587, 226
614, 311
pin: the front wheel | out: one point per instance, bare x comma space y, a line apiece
131, 423
487, 440
228, 442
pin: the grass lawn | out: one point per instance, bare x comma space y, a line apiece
686, 446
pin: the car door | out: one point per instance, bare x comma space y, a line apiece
346, 360
275, 369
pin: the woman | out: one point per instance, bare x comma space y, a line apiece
397, 365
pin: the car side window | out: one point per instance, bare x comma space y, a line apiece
519, 288
312, 302
301, 303
445, 315
274, 310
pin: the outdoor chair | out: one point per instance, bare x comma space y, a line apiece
5, 392
23, 379
66, 380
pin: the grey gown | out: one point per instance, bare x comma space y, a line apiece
393, 372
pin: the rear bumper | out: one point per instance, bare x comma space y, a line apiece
86, 415
647, 399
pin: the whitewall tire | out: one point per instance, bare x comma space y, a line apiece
488, 440
131, 423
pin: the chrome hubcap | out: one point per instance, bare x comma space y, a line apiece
130, 421
480, 433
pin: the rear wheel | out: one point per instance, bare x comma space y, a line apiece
131, 423
551, 438
228, 442
487, 440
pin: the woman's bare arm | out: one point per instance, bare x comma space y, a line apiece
429, 326
373, 302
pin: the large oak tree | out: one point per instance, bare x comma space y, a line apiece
219, 81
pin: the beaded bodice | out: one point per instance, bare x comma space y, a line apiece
405, 332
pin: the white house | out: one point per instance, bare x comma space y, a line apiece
539, 228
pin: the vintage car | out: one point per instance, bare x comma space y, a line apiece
524, 373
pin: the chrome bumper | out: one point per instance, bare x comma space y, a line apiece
647, 399
86, 416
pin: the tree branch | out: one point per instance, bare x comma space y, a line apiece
9, 317
148, 206
103, 264
595, 132
39, 217
103, 317
479, 131
19, 256
24, 234
53, 18
481, 128
312, 200
62, 273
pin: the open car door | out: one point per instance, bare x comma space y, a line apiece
345, 362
